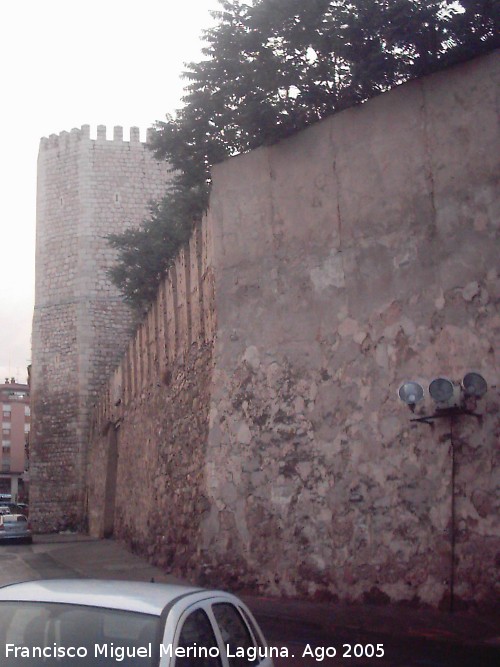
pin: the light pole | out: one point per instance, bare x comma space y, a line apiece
452, 399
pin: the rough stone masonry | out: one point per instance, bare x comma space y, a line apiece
357, 255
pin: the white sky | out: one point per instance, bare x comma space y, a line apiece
63, 64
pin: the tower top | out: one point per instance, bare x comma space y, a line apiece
65, 138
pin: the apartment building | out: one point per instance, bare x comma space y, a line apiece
15, 405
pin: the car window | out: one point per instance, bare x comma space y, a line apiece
235, 635
105, 637
253, 628
197, 637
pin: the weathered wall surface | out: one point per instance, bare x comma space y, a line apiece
344, 261
87, 189
357, 255
150, 432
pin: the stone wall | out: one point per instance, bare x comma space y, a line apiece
87, 189
361, 253
150, 429
357, 255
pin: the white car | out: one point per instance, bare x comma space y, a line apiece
15, 527
91, 622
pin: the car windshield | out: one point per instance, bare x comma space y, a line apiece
36, 633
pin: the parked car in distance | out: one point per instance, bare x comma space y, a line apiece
134, 624
17, 508
15, 527
4, 509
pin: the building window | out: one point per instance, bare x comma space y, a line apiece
5, 466
17, 395
6, 415
6, 427
6, 408
26, 428
27, 411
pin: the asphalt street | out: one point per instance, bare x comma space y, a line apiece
312, 634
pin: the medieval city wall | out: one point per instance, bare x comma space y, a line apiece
87, 189
349, 259
150, 428
344, 261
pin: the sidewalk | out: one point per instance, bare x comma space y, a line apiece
90, 557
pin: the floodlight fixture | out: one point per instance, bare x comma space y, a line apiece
441, 390
451, 403
474, 385
411, 392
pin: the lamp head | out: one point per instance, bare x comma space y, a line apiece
474, 385
411, 392
441, 390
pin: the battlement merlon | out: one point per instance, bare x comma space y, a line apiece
65, 139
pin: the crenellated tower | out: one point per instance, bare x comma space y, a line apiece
87, 188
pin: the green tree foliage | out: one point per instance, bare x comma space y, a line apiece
270, 69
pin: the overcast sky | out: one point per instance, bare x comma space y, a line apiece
66, 63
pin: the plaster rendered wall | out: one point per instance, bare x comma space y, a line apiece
361, 253
87, 189
271, 451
